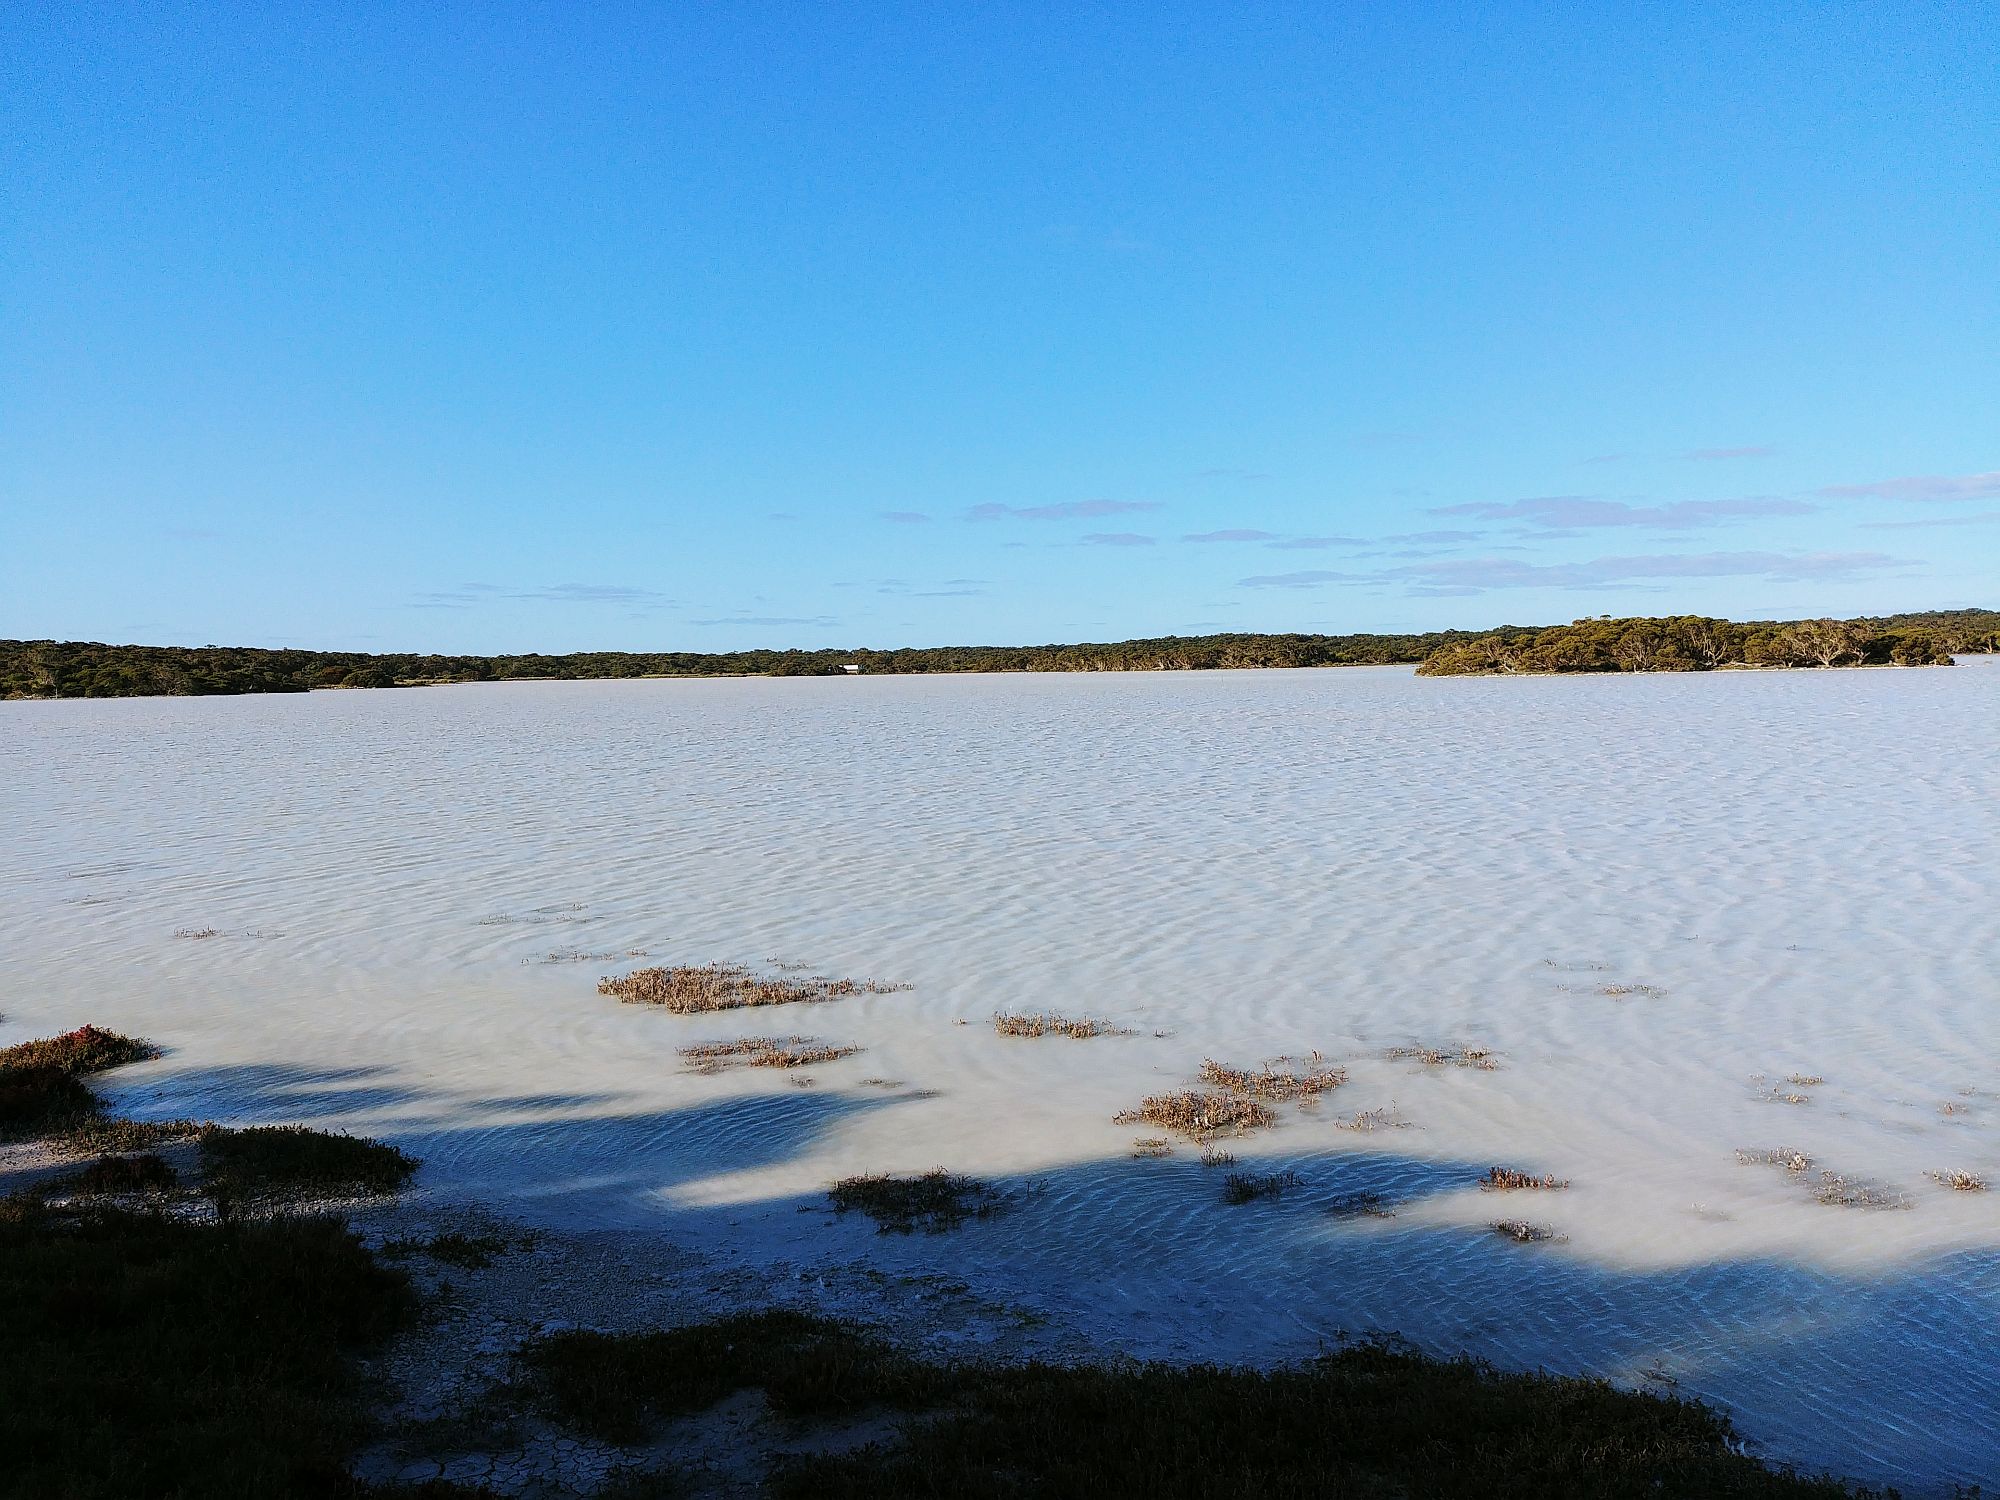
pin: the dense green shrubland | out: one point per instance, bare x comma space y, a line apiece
89, 669
1696, 643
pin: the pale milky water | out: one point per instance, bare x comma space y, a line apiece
1802, 865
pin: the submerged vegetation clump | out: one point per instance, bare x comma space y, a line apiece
1248, 1187
1368, 1121
1479, 1058
1364, 1204
1790, 1158
1076, 1028
1523, 1233
697, 989
290, 1161
1151, 1148
763, 1052
933, 1201
1960, 1182
1511, 1179
1837, 1191
1273, 1081
1199, 1115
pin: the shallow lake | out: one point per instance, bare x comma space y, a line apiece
1690, 917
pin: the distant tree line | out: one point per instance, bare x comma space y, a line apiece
1696, 643
86, 669
80, 669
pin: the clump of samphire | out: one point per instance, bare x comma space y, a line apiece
693, 990
1522, 1233
1960, 1182
1151, 1148
1076, 1028
1837, 1191
289, 1162
1198, 1115
1480, 1058
1273, 1081
88, 1049
1790, 1158
934, 1201
1510, 1180
763, 1052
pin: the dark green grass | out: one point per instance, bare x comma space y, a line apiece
125, 1174
42, 1100
616, 1387
41, 1082
932, 1201
290, 1161
142, 1356
1372, 1420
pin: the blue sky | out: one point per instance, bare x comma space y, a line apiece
562, 327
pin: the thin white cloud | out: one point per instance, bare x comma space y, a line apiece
1514, 573
1067, 510
1984, 518
1480, 574
770, 620
1567, 511
1309, 578
1319, 543
1118, 539
468, 594
904, 517
1238, 534
1921, 487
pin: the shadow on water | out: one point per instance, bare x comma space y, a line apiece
1887, 1376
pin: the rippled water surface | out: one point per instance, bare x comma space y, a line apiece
1656, 900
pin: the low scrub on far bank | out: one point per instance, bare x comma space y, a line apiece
1696, 643
92, 669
